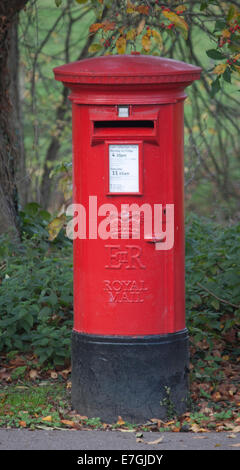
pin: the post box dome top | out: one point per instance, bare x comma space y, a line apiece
127, 69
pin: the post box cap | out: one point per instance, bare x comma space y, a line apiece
127, 69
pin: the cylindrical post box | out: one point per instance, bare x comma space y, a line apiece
129, 342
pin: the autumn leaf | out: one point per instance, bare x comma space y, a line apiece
220, 69
55, 226
131, 34
177, 21
143, 9
54, 375
146, 42
107, 26
130, 7
69, 423
158, 38
95, 48
157, 441
141, 26
47, 418
120, 421
121, 45
181, 8
226, 33
23, 424
95, 27
33, 374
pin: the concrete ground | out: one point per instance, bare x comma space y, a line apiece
24, 439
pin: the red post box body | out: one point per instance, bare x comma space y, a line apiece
129, 343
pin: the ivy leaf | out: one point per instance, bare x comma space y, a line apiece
214, 54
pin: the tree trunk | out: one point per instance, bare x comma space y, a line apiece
9, 142
15, 98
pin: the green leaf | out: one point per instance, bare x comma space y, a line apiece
215, 86
203, 6
227, 75
58, 2
214, 54
219, 25
215, 303
231, 13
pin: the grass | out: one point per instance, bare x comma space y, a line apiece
33, 406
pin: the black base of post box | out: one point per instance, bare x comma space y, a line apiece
137, 378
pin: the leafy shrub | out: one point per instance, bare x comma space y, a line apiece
212, 277
36, 292
36, 286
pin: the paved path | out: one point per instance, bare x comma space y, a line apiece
23, 439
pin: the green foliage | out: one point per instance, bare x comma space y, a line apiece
36, 292
36, 287
212, 277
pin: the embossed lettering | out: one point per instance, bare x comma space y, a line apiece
125, 291
129, 256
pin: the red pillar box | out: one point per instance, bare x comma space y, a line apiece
129, 342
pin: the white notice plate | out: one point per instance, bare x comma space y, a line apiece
124, 168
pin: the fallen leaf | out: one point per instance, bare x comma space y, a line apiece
235, 445
64, 373
47, 418
216, 396
232, 435
54, 375
139, 439
23, 424
120, 421
67, 422
157, 441
194, 427
126, 430
33, 374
